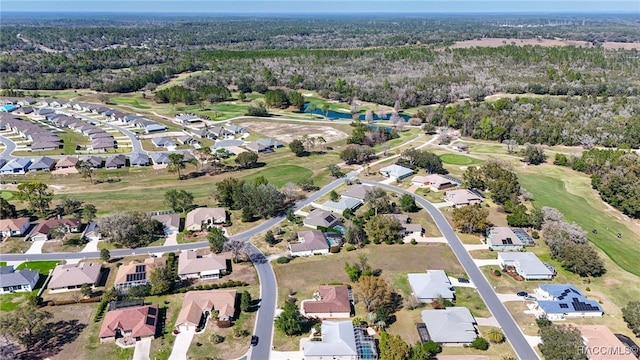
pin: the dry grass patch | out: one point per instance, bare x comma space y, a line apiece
14, 245
483, 254
288, 131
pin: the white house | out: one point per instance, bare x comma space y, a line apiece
396, 171
14, 227
340, 341
526, 264
310, 242
431, 285
12, 280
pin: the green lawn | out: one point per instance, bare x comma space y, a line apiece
456, 159
3, 263
133, 102
43, 267
282, 174
550, 191
7, 195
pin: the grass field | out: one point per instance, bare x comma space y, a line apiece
282, 174
7, 195
456, 159
43, 267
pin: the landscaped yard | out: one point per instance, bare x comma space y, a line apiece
43, 267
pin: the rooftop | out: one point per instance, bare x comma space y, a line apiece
566, 298
72, 275
450, 325
528, 263
310, 240
189, 262
195, 302
140, 321
333, 299
430, 285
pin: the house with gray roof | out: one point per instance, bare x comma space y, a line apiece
44, 111
12, 281
170, 222
396, 171
27, 101
235, 129
310, 242
151, 128
115, 162
527, 265
462, 197
562, 301
259, 148
502, 238
24, 110
185, 119
341, 340
163, 142
16, 166
431, 285
452, 325
96, 162
186, 140
341, 205
223, 144
44, 145
270, 143
160, 158
320, 218
357, 191
42, 163
139, 159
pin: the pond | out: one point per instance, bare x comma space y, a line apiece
331, 114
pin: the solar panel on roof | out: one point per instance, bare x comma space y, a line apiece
140, 268
564, 306
150, 320
507, 241
152, 311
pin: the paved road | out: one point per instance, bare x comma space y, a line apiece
9, 147
506, 321
135, 143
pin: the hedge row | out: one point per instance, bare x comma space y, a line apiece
227, 284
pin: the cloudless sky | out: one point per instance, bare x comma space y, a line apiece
331, 6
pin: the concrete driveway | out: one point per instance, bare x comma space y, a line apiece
36, 247
454, 281
510, 297
172, 239
181, 345
141, 352
486, 262
471, 247
286, 355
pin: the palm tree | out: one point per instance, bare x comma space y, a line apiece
495, 335
176, 162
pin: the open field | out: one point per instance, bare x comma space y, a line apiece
457, 159
495, 42
287, 132
7, 195
14, 245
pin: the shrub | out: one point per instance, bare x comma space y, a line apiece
535, 235
497, 272
101, 307
283, 260
350, 247
480, 343
413, 242
588, 288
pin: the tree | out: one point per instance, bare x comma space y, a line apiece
631, 315
392, 347
495, 335
561, 342
533, 154
333, 195
227, 192
89, 212
297, 147
424, 351
381, 228
257, 108
110, 294
276, 98
162, 280
236, 248
245, 301
247, 159
423, 159
216, 239
36, 194
354, 234
480, 343
138, 292
408, 203
296, 99
325, 109
263, 200
511, 145
86, 290
85, 169
130, 229
357, 154
378, 199
335, 171
290, 320
560, 160
105, 254
26, 325
269, 238
373, 292
7, 210
71, 206
176, 163
471, 218
178, 200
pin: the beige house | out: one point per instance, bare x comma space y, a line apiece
202, 218
72, 277
14, 227
137, 273
131, 324
598, 338
435, 182
462, 197
310, 242
330, 302
198, 305
194, 266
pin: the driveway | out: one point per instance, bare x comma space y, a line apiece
36, 247
510, 297
486, 262
442, 204
286, 355
476, 247
488, 321
141, 352
91, 246
456, 283
172, 239
181, 345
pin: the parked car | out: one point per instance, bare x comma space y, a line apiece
254, 340
522, 293
463, 280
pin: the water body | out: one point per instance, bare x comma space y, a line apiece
340, 115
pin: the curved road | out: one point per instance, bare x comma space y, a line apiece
135, 143
504, 318
9, 147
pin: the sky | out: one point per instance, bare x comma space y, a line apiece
330, 6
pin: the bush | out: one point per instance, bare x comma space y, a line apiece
413, 242
350, 247
101, 307
283, 260
535, 235
497, 272
480, 343
588, 288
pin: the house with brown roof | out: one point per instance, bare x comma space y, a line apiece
602, 344
137, 273
67, 162
14, 227
194, 266
197, 306
462, 197
71, 277
310, 242
436, 182
202, 218
357, 191
170, 222
329, 302
43, 230
134, 323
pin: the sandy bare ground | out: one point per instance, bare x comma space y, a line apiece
495, 42
288, 132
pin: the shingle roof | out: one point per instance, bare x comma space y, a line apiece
195, 302
140, 321
67, 161
396, 171
601, 337
11, 277
528, 263
450, 325
342, 204
168, 220
358, 191
46, 226
13, 224
149, 263
72, 275
320, 218
41, 163
333, 299
338, 339
462, 196
198, 216
190, 263
430, 285
310, 240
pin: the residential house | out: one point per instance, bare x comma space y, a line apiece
598, 338
71, 276
27, 101
42, 231
269, 143
235, 129
12, 281
431, 285
194, 266
198, 305
171, 222
139, 159
501, 238
320, 218
42, 163
16, 166
163, 142
436, 182
44, 146
341, 340
91, 232
202, 218
115, 162
24, 110
103, 144
108, 113
358, 192
14, 227
44, 111
396, 172
310, 242
341, 205
259, 148
561, 301
185, 119
136, 273
67, 162
130, 118
406, 227
132, 323
452, 325
462, 197
96, 162
330, 302
186, 140
152, 128
224, 144
527, 265
160, 158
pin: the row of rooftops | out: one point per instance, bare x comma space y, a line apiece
41, 139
